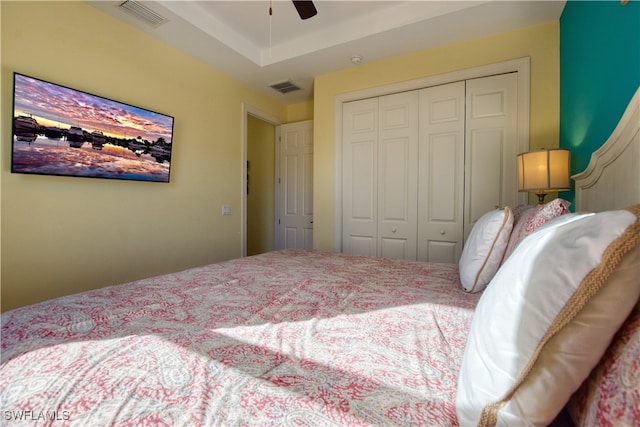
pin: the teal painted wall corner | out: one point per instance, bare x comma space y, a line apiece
599, 73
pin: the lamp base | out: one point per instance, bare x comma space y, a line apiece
541, 197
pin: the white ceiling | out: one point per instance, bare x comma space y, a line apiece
241, 39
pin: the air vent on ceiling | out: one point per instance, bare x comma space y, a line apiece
285, 86
142, 12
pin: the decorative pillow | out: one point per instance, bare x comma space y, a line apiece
548, 317
611, 394
484, 249
527, 218
520, 209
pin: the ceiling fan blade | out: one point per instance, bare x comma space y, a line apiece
305, 8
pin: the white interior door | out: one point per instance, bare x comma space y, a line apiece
441, 173
295, 182
491, 150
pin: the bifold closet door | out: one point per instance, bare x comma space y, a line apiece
360, 177
491, 178
421, 167
380, 158
397, 172
441, 173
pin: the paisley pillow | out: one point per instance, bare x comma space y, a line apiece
527, 218
611, 394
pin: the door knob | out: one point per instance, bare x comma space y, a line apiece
393, 230
442, 232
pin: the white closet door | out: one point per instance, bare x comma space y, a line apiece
441, 173
490, 152
398, 168
421, 167
360, 177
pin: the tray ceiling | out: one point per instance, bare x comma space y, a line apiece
240, 38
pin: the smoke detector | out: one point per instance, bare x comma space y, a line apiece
356, 59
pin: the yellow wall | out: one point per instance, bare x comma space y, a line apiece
62, 235
261, 196
540, 43
300, 111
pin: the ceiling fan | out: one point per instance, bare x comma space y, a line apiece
305, 8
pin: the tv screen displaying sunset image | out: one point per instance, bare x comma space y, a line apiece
62, 131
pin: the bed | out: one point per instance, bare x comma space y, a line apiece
312, 338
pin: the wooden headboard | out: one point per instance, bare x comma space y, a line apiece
612, 178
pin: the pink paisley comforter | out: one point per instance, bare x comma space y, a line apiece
285, 338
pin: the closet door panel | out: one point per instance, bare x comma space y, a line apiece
492, 117
394, 181
440, 173
396, 248
360, 176
397, 186
363, 169
485, 184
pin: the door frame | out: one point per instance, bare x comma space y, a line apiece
248, 110
519, 65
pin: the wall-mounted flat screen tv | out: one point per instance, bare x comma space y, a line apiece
62, 131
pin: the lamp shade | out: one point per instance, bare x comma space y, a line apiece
543, 171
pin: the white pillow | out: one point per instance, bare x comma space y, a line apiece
484, 249
547, 318
562, 219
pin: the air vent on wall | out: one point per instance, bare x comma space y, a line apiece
285, 86
143, 13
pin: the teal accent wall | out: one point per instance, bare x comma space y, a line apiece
599, 73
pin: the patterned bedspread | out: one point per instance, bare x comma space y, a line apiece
291, 337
